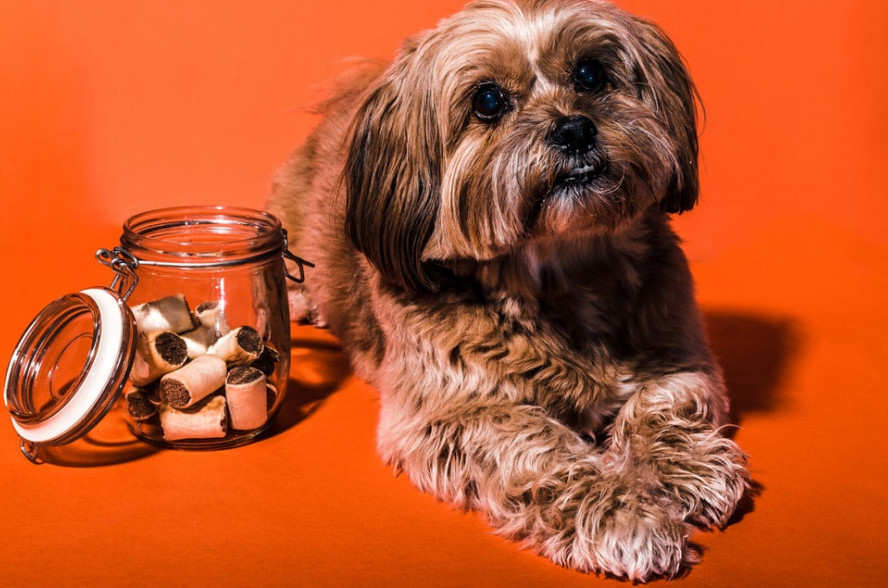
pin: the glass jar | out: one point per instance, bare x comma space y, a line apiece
191, 341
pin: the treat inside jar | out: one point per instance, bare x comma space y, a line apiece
194, 377
205, 421
245, 390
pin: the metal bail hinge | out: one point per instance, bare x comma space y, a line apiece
124, 265
301, 263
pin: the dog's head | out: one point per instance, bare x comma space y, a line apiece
515, 122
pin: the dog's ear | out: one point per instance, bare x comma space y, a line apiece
663, 81
392, 176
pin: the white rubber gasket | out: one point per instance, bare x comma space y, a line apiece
84, 399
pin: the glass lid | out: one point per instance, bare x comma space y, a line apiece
68, 367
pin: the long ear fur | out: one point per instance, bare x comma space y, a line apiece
664, 82
393, 176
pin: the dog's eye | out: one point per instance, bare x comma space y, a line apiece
589, 75
489, 103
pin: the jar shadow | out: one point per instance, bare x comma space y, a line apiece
317, 368
109, 443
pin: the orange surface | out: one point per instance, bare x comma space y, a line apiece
108, 108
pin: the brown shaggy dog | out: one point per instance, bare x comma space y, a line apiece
488, 215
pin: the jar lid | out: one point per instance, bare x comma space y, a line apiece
69, 367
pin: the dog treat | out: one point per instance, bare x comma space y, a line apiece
193, 382
157, 353
240, 346
166, 314
141, 403
199, 340
267, 360
210, 315
194, 376
247, 397
206, 421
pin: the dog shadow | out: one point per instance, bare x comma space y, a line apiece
318, 367
755, 352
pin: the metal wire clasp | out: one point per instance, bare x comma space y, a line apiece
124, 265
301, 263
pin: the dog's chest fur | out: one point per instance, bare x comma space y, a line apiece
557, 326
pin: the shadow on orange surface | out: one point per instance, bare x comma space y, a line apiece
754, 352
109, 443
317, 369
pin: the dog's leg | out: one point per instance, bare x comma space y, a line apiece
536, 480
303, 310
668, 433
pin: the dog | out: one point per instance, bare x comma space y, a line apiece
489, 219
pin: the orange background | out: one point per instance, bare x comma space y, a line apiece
109, 108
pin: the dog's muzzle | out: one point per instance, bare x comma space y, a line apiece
574, 135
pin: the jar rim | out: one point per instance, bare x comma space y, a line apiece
202, 232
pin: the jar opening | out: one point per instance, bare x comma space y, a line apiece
63, 352
202, 232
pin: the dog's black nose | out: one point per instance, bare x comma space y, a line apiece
574, 134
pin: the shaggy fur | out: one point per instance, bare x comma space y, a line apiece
488, 216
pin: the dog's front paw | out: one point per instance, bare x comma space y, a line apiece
708, 479
615, 528
638, 544
303, 309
